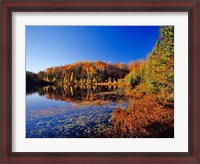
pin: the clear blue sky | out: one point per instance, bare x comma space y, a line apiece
48, 46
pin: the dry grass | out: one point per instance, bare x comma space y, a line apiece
144, 118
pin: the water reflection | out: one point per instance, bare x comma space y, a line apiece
72, 111
81, 93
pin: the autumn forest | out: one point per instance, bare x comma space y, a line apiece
123, 100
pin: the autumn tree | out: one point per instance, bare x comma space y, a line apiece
161, 65
156, 74
87, 72
136, 76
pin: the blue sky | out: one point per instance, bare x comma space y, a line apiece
48, 46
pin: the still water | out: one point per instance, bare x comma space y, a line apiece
72, 112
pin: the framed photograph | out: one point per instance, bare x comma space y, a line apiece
100, 81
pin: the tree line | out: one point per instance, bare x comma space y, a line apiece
84, 72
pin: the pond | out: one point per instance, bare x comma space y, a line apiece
72, 111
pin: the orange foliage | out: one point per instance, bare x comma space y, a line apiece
136, 65
144, 118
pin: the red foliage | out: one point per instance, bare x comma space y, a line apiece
144, 118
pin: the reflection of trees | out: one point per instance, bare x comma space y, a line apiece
80, 93
31, 90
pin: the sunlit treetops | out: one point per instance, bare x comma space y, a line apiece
86, 70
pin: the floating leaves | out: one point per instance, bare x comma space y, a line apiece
73, 121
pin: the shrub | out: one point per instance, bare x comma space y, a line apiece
144, 118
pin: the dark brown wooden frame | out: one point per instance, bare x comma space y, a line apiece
9, 6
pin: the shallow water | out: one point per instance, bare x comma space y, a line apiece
68, 112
